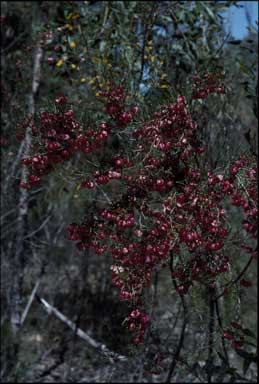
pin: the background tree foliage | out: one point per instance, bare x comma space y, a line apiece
154, 49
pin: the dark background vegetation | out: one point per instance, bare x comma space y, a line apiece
153, 48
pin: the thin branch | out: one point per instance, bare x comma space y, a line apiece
39, 228
236, 279
105, 195
221, 326
176, 355
211, 333
18, 38
8, 213
25, 313
101, 348
222, 44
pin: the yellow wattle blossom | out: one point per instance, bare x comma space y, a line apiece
75, 16
72, 44
69, 27
59, 63
69, 16
93, 80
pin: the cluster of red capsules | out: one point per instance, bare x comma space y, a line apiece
115, 106
57, 136
170, 205
143, 238
210, 82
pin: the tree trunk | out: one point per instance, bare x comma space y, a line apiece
17, 261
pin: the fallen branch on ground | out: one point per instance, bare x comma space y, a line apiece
101, 348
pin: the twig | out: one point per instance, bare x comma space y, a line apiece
101, 348
236, 279
180, 343
221, 326
8, 213
105, 195
18, 38
211, 332
25, 312
181, 340
39, 228
222, 44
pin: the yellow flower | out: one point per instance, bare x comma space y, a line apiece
73, 66
72, 44
83, 80
152, 59
59, 63
164, 86
69, 27
75, 16
97, 94
69, 16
